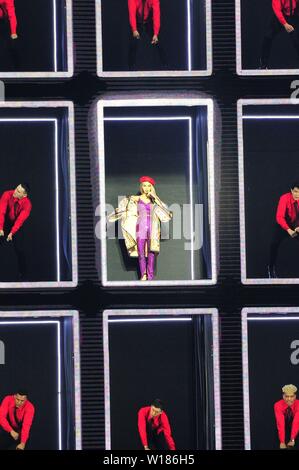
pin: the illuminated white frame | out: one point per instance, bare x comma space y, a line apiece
189, 312
36, 317
69, 38
160, 73
241, 104
283, 313
147, 102
72, 192
250, 72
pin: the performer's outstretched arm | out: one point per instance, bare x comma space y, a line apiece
27, 422
276, 5
280, 423
156, 20
24, 214
132, 7
12, 18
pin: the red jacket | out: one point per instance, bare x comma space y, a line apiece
159, 423
282, 8
24, 415
135, 10
8, 8
16, 215
286, 211
280, 408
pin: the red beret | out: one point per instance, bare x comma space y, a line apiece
143, 179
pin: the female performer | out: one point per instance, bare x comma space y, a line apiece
141, 216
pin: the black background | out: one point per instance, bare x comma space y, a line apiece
270, 368
229, 295
268, 176
255, 16
31, 364
33, 50
173, 37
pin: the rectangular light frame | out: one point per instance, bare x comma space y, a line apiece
70, 49
240, 112
259, 312
163, 102
72, 191
160, 73
38, 317
189, 312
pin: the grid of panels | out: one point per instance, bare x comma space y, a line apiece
229, 296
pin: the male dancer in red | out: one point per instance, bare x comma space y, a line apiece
16, 416
7, 10
154, 428
144, 15
287, 417
286, 226
142, 12
285, 16
15, 208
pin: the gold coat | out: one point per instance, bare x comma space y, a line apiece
127, 213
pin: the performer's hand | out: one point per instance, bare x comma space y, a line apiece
152, 195
1, 233
14, 36
155, 39
292, 233
136, 35
291, 443
21, 446
14, 435
282, 445
289, 28
9, 238
146, 448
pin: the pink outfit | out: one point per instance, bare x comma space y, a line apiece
143, 233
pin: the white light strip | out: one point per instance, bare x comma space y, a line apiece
30, 322
170, 118
57, 204
55, 34
175, 118
48, 322
59, 385
189, 35
271, 117
108, 316
272, 318
27, 119
191, 197
143, 320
